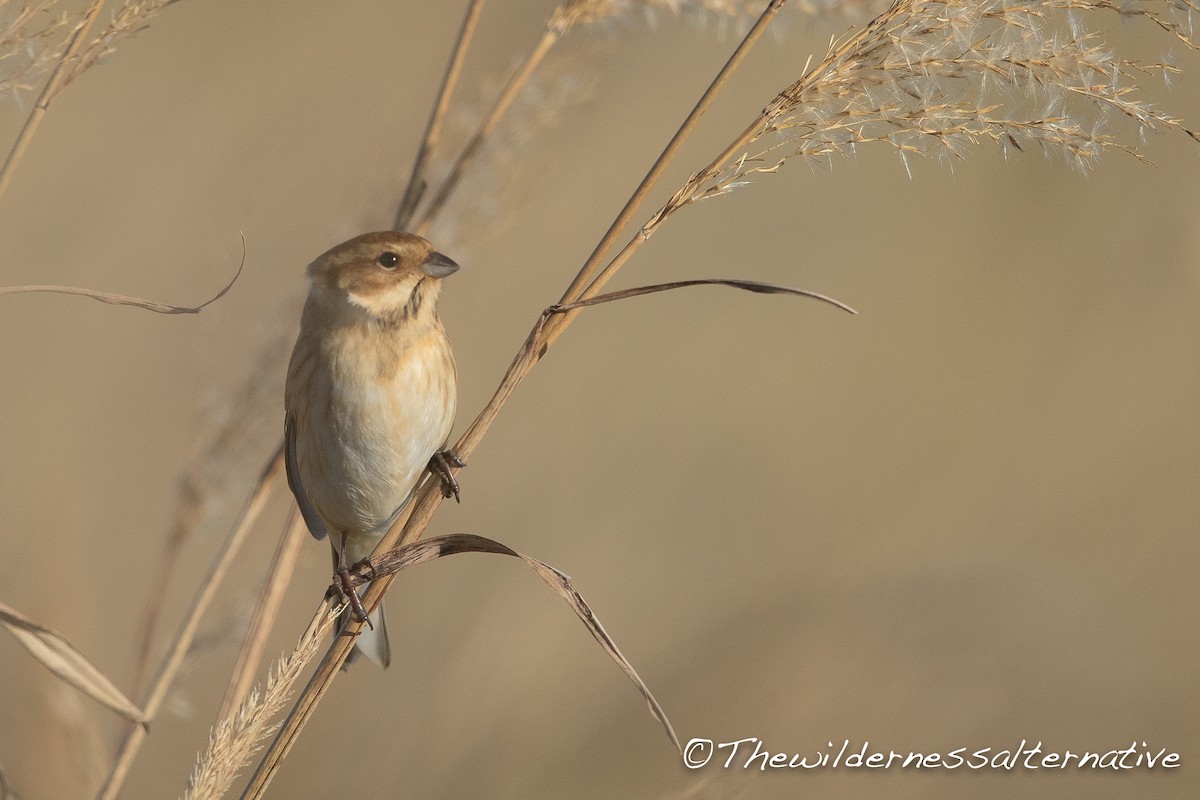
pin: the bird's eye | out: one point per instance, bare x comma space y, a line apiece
388, 260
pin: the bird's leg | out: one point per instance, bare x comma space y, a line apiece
440, 465
346, 586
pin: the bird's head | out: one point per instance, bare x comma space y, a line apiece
386, 275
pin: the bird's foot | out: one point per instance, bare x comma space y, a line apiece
441, 465
344, 583
345, 587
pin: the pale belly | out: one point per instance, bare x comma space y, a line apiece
371, 439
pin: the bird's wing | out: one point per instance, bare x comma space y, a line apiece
316, 525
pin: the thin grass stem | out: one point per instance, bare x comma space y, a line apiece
266, 611
511, 90
416, 517
136, 735
433, 129
588, 271
55, 82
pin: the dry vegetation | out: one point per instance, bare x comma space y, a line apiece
925, 78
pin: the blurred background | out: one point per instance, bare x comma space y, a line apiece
966, 517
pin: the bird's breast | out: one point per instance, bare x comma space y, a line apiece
375, 415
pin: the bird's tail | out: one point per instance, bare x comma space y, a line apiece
373, 641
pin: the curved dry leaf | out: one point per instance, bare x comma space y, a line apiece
736, 283
129, 300
57, 655
438, 546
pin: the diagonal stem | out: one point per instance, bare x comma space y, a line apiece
266, 611
136, 735
415, 518
433, 129
507, 96
573, 291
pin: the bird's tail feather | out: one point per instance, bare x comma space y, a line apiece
372, 642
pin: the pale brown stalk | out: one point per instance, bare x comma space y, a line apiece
433, 130
413, 521
752, 132
76, 58
509, 94
266, 610
135, 736
42, 105
639, 195
564, 19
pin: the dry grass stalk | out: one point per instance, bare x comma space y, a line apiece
564, 19
587, 272
412, 522
511, 89
266, 610
240, 734
79, 53
913, 79
57, 80
433, 129
186, 634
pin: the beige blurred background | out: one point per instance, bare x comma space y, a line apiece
964, 518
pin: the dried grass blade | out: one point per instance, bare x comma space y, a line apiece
749, 286
128, 300
58, 655
428, 549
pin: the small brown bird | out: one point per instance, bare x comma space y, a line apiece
370, 397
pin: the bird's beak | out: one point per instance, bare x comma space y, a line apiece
439, 266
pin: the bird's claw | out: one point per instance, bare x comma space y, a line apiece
441, 465
343, 581
345, 586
